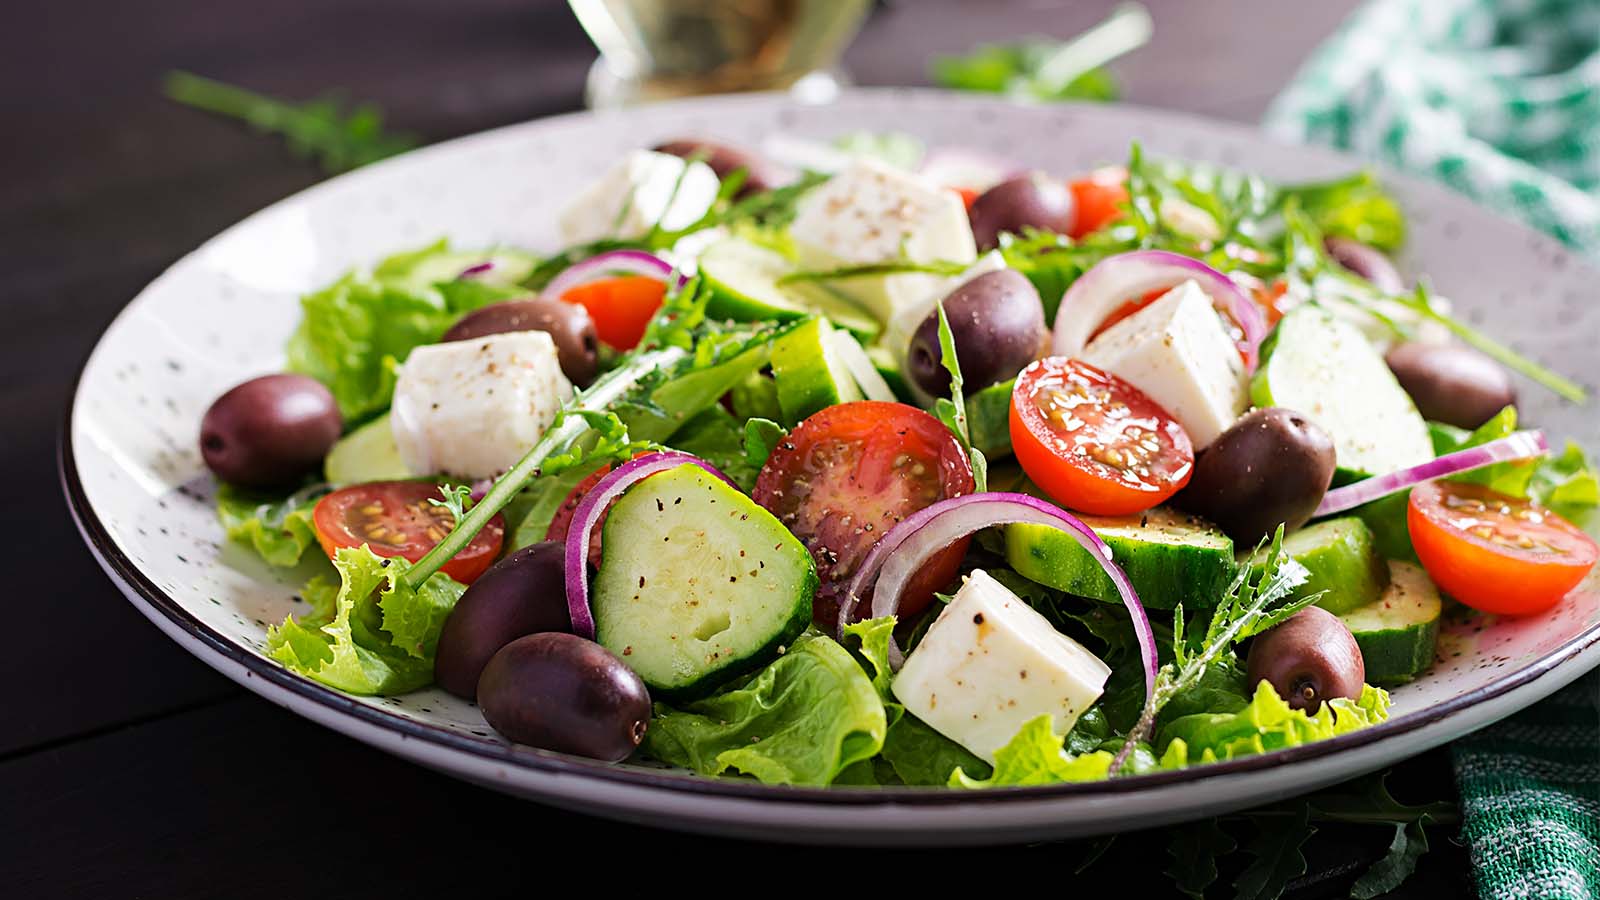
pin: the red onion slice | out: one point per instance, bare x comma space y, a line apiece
1521, 445
907, 547
475, 270
587, 516
602, 265
1128, 276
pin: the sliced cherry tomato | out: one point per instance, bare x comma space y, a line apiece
1127, 309
1094, 442
621, 307
968, 196
847, 475
561, 523
1098, 200
1494, 552
394, 518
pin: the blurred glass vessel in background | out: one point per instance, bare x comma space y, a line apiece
658, 49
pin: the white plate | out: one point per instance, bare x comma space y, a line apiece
222, 313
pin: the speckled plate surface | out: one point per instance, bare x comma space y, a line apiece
221, 314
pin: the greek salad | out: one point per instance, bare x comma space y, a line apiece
866, 464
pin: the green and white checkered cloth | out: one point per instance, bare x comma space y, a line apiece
1501, 101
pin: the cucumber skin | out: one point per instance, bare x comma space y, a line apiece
366, 454
806, 382
1347, 568
712, 679
1160, 574
1397, 655
989, 419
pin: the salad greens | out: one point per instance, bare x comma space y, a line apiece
277, 528
1045, 70
319, 129
369, 634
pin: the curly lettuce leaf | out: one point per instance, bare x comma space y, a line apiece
375, 635
277, 528
354, 333
1269, 723
1037, 755
802, 720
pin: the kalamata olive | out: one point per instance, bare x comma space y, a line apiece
525, 593
725, 159
269, 431
560, 692
1270, 468
568, 324
1450, 383
998, 325
1308, 659
1366, 261
1035, 201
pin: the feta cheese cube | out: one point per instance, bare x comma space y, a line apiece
1177, 351
989, 664
470, 409
873, 213
635, 195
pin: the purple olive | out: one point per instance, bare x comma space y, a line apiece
1027, 201
998, 325
724, 159
1366, 261
568, 324
560, 692
270, 431
1451, 383
525, 593
1270, 468
1308, 659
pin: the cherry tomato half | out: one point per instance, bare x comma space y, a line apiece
394, 518
1098, 200
621, 307
1493, 552
847, 475
1094, 442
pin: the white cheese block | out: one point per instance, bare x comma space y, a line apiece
897, 337
989, 664
1177, 351
470, 409
873, 213
634, 196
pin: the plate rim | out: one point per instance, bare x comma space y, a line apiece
124, 570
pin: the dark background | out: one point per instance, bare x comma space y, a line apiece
127, 768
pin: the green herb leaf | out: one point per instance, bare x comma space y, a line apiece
761, 437
455, 500
1195, 849
320, 129
953, 412
1048, 70
1278, 859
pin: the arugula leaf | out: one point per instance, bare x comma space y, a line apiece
953, 411
376, 636
278, 529
761, 437
320, 128
528, 517
1389, 872
714, 435
1278, 859
803, 719
1194, 849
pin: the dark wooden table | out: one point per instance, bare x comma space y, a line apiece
127, 768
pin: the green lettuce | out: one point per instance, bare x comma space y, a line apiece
277, 528
354, 333
1268, 723
1037, 755
918, 755
802, 720
717, 437
369, 634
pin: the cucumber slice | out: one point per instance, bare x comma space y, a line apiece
698, 583
1325, 368
1399, 632
860, 366
809, 373
989, 419
883, 361
744, 286
1170, 558
1343, 559
366, 454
